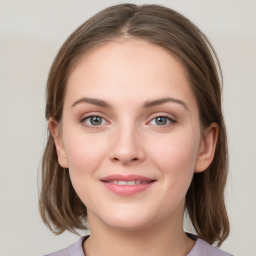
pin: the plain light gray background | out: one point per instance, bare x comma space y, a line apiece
31, 33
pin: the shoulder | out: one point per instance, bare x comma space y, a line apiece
202, 248
75, 249
63, 252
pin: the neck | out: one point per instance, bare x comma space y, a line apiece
166, 239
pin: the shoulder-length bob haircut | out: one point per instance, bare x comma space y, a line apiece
60, 207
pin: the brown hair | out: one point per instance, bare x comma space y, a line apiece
60, 207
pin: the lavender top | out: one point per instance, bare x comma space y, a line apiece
201, 248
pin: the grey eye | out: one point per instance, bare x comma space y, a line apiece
95, 120
161, 120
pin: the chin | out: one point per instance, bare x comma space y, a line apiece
128, 220
128, 225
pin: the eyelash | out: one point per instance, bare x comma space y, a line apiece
170, 121
89, 118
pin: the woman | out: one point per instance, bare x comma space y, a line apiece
137, 136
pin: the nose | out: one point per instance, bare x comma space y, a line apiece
126, 147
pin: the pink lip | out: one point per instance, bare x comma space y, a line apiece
125, 177
127, 190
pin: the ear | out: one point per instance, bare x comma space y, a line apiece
207, 147
54, 128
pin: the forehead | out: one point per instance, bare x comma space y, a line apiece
130, 67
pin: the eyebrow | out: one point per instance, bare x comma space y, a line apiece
152, 103
92, 101
147, 104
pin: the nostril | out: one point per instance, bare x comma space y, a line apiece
131, 160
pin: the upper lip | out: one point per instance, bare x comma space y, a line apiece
126, 177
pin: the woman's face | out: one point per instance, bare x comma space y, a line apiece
130, 134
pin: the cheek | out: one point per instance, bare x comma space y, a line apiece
176, 158
85, 155
83, 152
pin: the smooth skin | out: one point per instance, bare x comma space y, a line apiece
129, 109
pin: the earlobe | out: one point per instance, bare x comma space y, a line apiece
56, 134
207, 148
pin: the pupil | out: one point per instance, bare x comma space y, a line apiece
161, 120
96, 120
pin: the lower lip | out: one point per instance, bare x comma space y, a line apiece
127, 190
